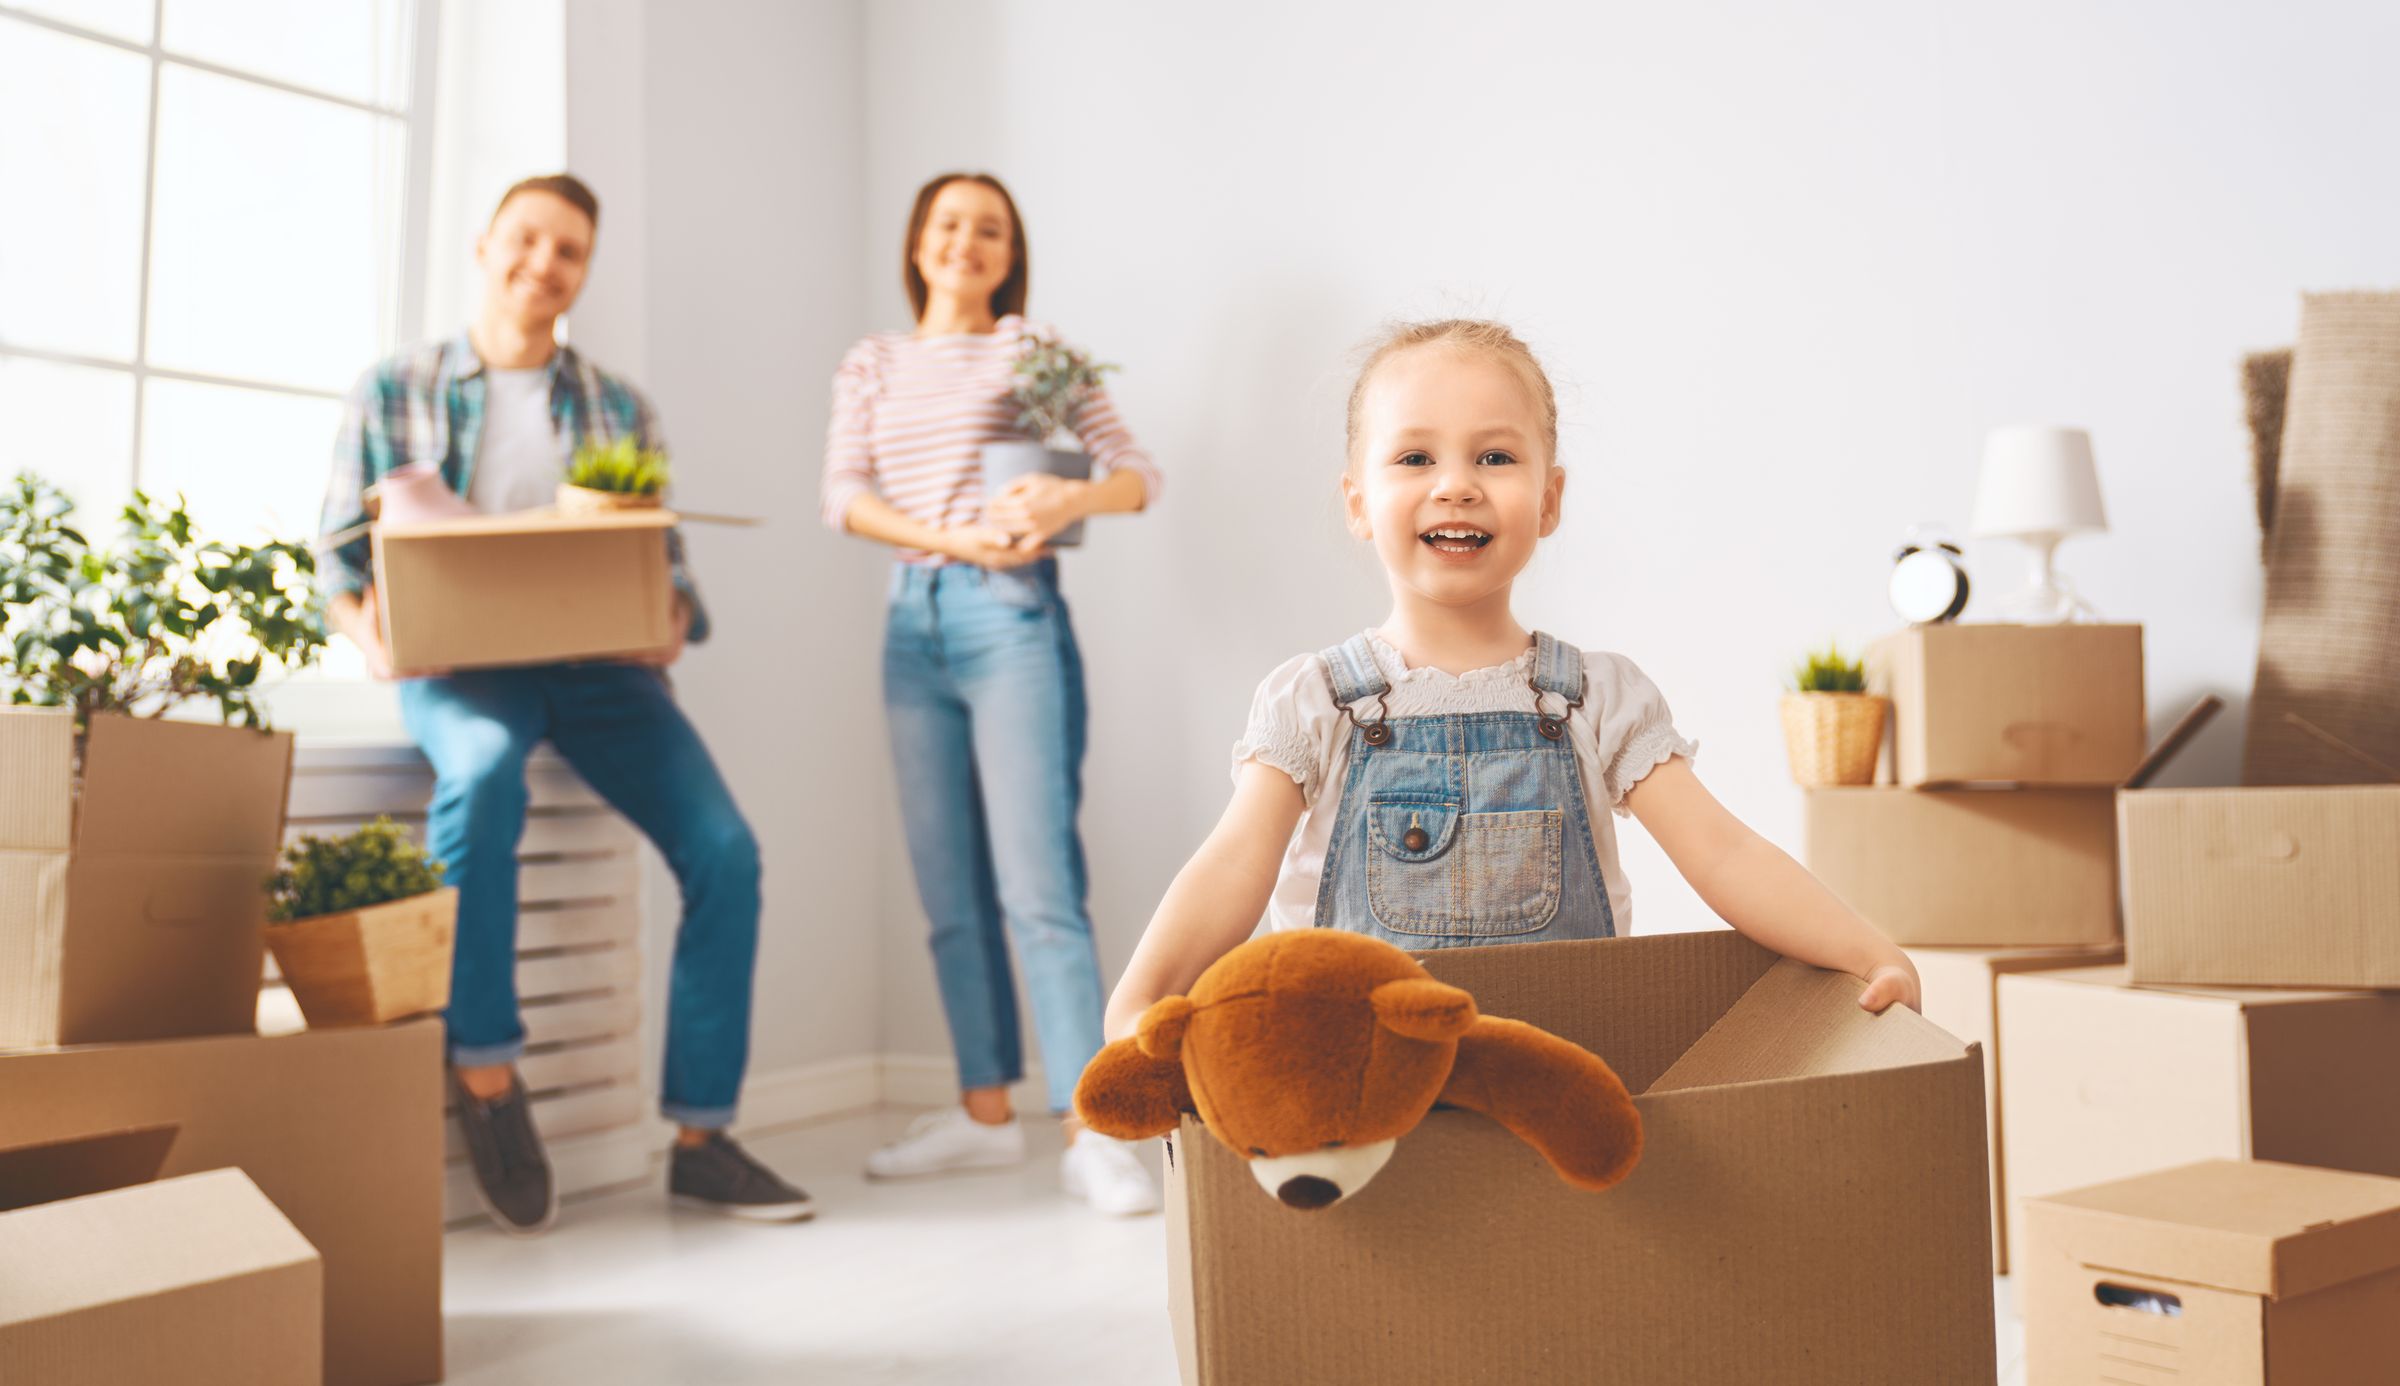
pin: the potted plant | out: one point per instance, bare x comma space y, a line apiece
1052, 380
1832, 727
361, 927
619, 474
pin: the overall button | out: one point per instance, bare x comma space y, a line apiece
1414, 839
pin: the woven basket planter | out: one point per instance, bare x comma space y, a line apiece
1833, 738
586, 500
367, 967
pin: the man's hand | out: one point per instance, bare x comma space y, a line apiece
667, 654
357, 619
988, 546
1036, 506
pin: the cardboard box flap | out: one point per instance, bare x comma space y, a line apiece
2251, 1225
1799, 1021
52, 1170
182, 788
528, 522
108, 1247
37, 765
2171, 745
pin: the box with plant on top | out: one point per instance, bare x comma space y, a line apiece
361, 927
1052, 381
1832, 727
619, 474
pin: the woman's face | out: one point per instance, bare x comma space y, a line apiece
964, 250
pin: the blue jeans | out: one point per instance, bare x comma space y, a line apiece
619, 727
983, 692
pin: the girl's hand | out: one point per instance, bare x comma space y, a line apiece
1892, 982
1037, 505
988, 546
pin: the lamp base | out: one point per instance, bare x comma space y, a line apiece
2048, 599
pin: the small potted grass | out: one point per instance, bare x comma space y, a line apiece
619, 474
1832, 727
361, 926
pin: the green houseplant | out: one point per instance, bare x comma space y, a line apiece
361, 926
1832, 727
1051, 382
619, 474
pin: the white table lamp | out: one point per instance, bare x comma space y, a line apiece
2039, 486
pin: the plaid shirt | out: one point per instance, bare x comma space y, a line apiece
426, 405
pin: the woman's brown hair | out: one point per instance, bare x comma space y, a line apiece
1010, 296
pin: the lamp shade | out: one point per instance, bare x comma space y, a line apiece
2038, 480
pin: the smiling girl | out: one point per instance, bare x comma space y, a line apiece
1445, 779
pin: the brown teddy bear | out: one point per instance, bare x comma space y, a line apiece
1309, 1053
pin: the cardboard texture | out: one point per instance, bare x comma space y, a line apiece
133, 911
197, 1280
1970, 867
2035, 705
536, 588
1962, 995
1727, 1256
342, 1129
2278, 887
2103, 1080
2275, 1273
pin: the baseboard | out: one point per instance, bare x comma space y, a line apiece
931, 1080
811, 1092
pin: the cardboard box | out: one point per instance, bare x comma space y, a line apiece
2037, 705
2102, 1080
532, 588
134, 911
341, 1128
1962, 995
2224, 1273
196, 1280
1810, 1206
1986, 868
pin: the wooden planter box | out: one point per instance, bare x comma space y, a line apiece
370, 966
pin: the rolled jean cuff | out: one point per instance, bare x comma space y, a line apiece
486, 1055
698, 1118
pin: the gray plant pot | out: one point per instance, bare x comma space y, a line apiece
1005, 462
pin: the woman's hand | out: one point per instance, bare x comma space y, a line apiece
1037, 505
988, 546
1892, 981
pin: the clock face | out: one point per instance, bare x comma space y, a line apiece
1928, 585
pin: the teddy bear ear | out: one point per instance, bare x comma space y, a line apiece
1422, 1008
1160, 1030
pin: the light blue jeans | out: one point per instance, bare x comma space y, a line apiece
983, 693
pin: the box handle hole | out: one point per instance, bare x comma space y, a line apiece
2139, 1301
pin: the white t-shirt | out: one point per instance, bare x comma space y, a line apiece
1620, 734
517, 461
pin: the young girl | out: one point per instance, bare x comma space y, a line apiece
1445, 779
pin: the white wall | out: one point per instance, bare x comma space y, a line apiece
1787, 265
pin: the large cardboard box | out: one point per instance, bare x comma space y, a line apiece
533, 588
1810, 1206
2223, 1273
133, 911
2277, 887
1962, 995
2102, 1080
196, 1280
1987, 868
2037, 705
342, 1129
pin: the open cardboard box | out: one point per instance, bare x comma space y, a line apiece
133, 911
2222, 1273
2030, 705
1810, 1206
342, 1129
107, 1277
482, 591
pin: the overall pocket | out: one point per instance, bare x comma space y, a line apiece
1435, 871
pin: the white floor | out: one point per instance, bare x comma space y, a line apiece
990, 1279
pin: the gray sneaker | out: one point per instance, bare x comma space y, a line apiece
512, 1175
721, 1177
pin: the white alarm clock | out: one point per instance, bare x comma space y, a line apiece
1928, 582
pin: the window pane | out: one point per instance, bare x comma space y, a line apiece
250, 462
74, 115
353, 48
277, 268
125, 19
74, 427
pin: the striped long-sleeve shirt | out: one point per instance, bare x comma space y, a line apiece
911, 415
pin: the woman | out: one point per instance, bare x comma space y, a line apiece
983, 684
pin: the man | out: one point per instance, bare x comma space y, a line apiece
500, 410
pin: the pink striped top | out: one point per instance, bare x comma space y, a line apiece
911, 414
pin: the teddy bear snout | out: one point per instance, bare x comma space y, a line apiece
1320, 1178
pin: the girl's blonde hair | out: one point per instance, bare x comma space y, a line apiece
1464, 335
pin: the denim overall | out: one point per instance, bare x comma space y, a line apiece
1466, 828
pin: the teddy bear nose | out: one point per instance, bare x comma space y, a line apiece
1307, 1191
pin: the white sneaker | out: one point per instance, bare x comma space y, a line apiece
1108, 1175
946, 1141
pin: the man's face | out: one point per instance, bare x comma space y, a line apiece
534, 256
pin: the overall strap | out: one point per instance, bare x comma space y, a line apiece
1350, 668
1557, 669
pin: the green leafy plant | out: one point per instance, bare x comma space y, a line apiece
1829, 671
375, 865
621, 465
157, 620
1052, 382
